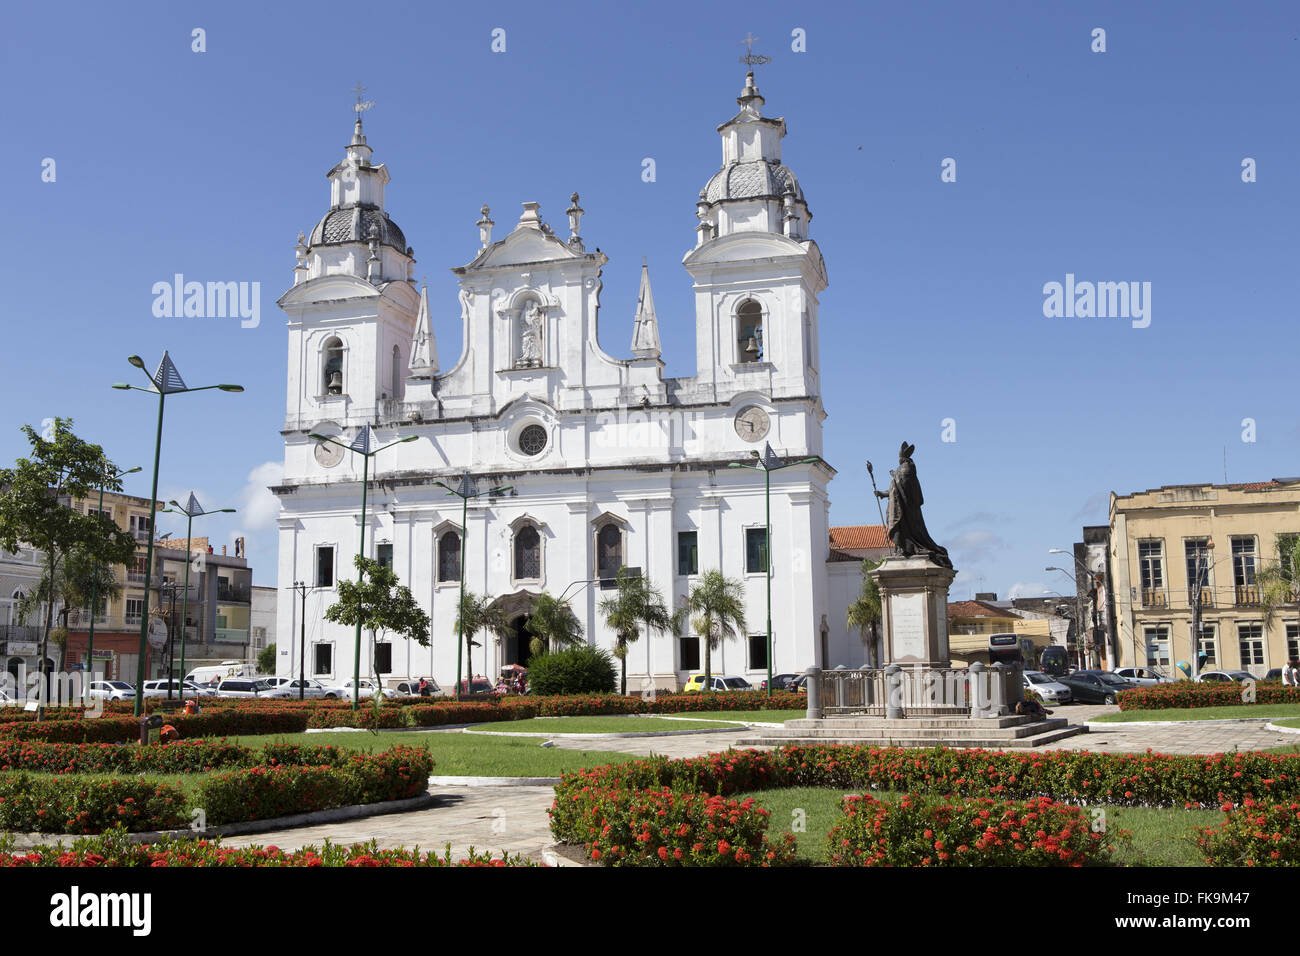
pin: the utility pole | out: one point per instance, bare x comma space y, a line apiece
303, 589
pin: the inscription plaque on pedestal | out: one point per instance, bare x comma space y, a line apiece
907, 615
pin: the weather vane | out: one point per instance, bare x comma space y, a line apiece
751, 58
361, 107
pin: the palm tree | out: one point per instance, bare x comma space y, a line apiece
716, 608
75, 579
552, 623
864, 613
1279, 581
637, 603
477, 614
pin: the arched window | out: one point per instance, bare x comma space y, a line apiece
609, 551
528, 554
749, 331
332, 366
449, 556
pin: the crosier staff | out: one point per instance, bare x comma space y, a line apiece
876, 496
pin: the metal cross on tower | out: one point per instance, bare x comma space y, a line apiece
361, 107
751, 58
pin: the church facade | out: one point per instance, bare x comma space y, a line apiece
609, 463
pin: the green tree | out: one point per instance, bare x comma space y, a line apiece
79, 576
1278, 582
266, 659
637, 603
477, 614
864, 613
34, 498
716, 609
381, 604
552, 624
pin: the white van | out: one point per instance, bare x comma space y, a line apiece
214, 672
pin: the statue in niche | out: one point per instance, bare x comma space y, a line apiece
530, 340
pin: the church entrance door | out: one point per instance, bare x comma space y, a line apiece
517, 649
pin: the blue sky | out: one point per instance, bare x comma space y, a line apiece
1115, 166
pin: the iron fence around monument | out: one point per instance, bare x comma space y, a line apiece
918, 691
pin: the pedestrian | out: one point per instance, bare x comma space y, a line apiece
1291, 673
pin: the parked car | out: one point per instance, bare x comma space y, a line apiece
311, 690
799, 685
158, 688
110, 690
696, 684
1142, 675
1223, 677
1274, 674
7, 701
411, 688
366, 689
480, 685
1095, 687
1051, 690
243, 687
779, 682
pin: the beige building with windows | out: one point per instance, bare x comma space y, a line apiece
1163, 540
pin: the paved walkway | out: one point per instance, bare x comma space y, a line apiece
514, 819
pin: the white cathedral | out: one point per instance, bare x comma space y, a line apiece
609, 463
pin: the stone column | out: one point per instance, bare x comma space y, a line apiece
814, 687
894, 692
979, 691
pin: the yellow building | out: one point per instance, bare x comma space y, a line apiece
971, 622
1162, 540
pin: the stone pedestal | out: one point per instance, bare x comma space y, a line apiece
914, 611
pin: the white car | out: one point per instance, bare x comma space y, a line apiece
110, 690
311, 690
7, 701
1224, 677
411, 688
1047, 687
159, 688
1142, 675
242, 687
366, 688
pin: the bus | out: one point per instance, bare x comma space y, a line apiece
1011, 649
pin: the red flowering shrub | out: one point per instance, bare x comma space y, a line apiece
111, 849
259, 793
72, 805
1186, 694
1253, 834
919, 832
668, 828
730, 700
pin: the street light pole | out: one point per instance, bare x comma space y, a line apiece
166, 380
361, 446
465, 493
302, 588
94, 581
192, 509
1208, 552
769, 463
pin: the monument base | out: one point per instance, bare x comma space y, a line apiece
914, 611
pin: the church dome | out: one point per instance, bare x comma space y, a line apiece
759, 179
356, 223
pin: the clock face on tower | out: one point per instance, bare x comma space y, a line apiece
752, 423
328, 455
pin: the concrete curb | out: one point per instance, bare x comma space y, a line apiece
494, 781
1113, 724
725, 720
630, 733
271, 825
1282, 730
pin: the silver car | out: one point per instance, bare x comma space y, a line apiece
1047, 688
1142, 675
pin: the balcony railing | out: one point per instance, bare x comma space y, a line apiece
135, 577
237, 593
1246, 594
1154, 597
132, 620
230, 635
1207, 597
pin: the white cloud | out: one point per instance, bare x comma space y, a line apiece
1023, 589
260, 508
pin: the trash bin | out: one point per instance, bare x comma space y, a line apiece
151, 729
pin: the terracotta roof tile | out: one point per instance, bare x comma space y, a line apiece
976, 609
855, 536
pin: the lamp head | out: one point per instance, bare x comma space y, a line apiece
317, 437
121, 386
755, 454
132, 471
136, 361
231, 388
409, 438
225, 511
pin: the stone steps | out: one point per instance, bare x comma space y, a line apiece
996, 733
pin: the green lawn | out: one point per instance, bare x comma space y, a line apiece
1293, 722
1161, 837
457, 754
1204, 713
766, 716
617, 724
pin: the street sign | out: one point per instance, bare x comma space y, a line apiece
22, 648
157, 634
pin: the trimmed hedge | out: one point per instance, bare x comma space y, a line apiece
260, 793
1192, 694
110, 849
214, 723
71, 805
184, 756
1068, 775
923, 832
1253, 834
